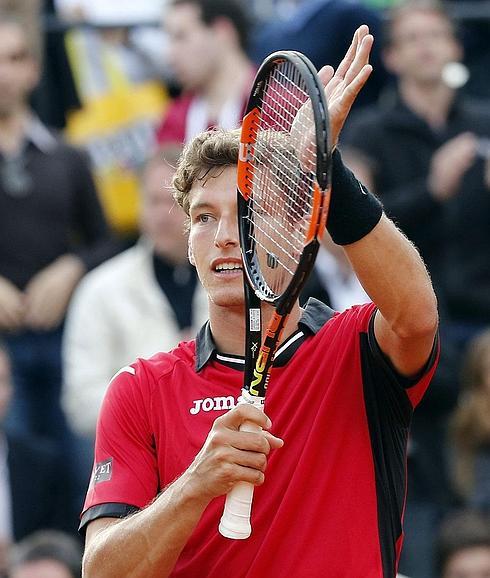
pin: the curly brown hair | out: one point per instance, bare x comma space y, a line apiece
208, 151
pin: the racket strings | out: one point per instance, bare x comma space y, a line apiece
282, 190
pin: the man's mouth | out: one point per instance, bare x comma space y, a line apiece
228, 267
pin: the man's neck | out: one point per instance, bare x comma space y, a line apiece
12, 130
228, 326
430, 102
220, 89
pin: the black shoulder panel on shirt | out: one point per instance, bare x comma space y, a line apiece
109, 510
389, 414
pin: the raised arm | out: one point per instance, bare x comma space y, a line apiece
394, 276
386, 263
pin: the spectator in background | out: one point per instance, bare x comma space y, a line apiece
420, 152
52, 230
47, 554
142, 301
471, 426
322, 30
207, 42
34, 489
464, 546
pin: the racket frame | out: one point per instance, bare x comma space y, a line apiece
259, 355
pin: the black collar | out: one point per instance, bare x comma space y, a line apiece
314, 316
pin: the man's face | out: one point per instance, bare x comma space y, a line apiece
18, 70
423, 43
162, 220
213, 239
193, 48
469, 563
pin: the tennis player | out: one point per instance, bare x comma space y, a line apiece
340, 400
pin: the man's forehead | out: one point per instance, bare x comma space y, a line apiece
216, 181
418, 16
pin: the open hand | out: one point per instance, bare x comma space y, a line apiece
344, 84
449, 164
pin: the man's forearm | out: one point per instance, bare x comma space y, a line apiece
394, 276
148, 544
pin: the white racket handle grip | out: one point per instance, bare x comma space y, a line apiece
235, 521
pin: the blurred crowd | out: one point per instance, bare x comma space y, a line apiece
96, 102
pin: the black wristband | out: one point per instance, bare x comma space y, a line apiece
354, 211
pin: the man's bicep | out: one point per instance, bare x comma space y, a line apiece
407, 355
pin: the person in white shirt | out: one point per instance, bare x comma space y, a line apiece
144, 300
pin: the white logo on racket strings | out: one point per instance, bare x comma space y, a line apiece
214, 404
272, 261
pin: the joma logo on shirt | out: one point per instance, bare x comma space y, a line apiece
213, 404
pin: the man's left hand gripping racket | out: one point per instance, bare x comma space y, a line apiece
283, 197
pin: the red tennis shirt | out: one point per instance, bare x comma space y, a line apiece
332, 503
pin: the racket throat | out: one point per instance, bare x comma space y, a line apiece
265, 358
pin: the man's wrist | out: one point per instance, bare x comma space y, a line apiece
354, 211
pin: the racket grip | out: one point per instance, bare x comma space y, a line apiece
235, 521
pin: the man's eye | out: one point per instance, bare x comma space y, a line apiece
203, 218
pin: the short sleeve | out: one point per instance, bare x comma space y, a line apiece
415, 386
125, 474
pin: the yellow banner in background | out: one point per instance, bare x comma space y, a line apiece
116, 125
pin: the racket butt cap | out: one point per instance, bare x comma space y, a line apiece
237, 533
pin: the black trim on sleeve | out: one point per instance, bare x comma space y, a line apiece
108, 510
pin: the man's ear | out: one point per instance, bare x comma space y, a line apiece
190, 255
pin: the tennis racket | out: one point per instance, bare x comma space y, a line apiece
283, 187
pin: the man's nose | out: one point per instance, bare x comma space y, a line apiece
227, 232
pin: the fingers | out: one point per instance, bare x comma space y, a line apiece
244, 428
357, 41
325, 74
449, 163
246, 446
244, 412
261, 441
353, 71
355, 86
361, 58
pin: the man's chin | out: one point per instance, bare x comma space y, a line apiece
228, 300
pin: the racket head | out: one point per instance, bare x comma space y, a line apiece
283, 176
